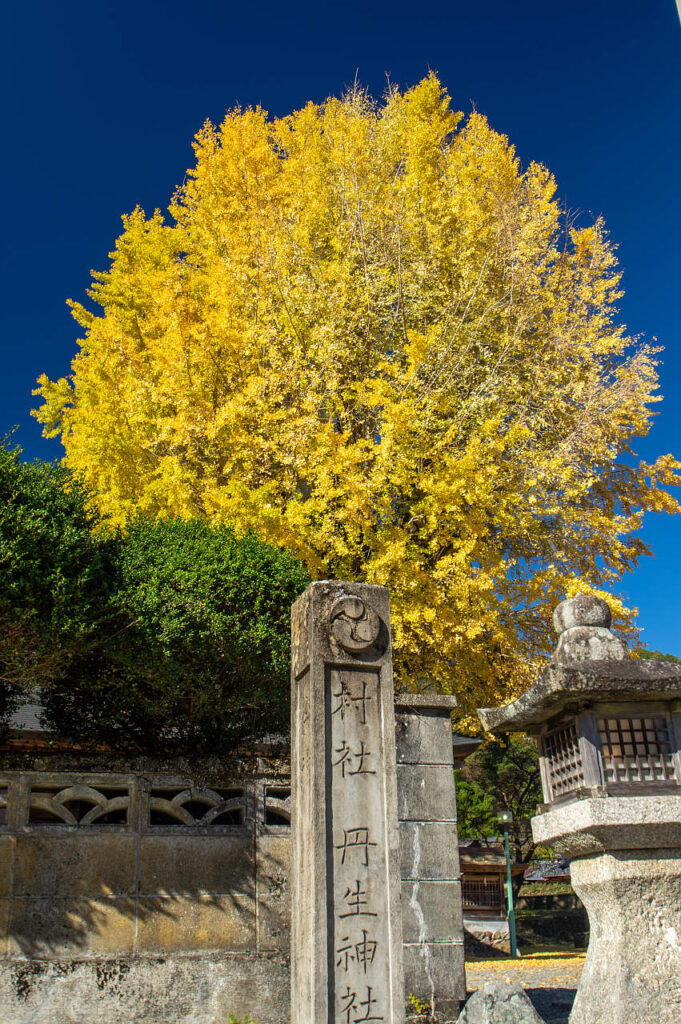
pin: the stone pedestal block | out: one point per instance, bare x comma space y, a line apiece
626, 869
632, 973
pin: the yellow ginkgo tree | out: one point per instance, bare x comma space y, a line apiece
368, 335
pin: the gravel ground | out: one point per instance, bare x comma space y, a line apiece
550, 980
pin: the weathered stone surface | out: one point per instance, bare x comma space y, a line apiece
588, 643
346, 944
274, 894
431, 911
585, 827
51, 927
6, 864
192, 865
632, 973
422, 703
499, 1004
86, 865
423, 734
581, 610
4, 929
427, 850
428, 971
273, 864
558, 685
584, 626
186, 924
146, 990
274, 924
426, 793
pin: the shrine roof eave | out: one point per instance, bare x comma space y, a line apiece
582, 684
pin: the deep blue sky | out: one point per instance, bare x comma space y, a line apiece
102, 101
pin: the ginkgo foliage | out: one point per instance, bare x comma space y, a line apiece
369, 335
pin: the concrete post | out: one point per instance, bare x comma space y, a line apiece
346, 941
431, 881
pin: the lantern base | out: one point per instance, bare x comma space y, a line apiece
626, 869
632, 973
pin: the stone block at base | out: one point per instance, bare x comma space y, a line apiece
429, 968
146, 990
499, 1004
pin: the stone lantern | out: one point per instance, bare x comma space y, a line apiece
608, 728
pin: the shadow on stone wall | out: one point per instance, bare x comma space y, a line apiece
179, 955
236, 901
123, 865
163, 923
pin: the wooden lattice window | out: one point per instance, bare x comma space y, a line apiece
482, 892
565, 770
637, 749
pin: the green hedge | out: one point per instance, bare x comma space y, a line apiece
173, 636
54, 572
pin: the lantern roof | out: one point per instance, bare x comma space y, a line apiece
560, 687
590, 665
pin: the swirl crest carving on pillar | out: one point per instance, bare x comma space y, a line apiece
353, 624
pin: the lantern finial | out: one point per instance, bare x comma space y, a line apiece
583, 622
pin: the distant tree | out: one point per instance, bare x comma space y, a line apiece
370, 336
476, 811
658, 654
502, 774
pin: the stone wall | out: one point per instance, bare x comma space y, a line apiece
125, 890
160, 892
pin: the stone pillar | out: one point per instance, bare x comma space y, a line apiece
431, 882
346, 936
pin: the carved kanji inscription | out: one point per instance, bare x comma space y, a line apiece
346, 925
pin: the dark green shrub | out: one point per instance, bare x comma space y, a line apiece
199, 659
173, 636
54, 573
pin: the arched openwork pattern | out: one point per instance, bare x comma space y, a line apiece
197, 806
79, 804
278, 806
